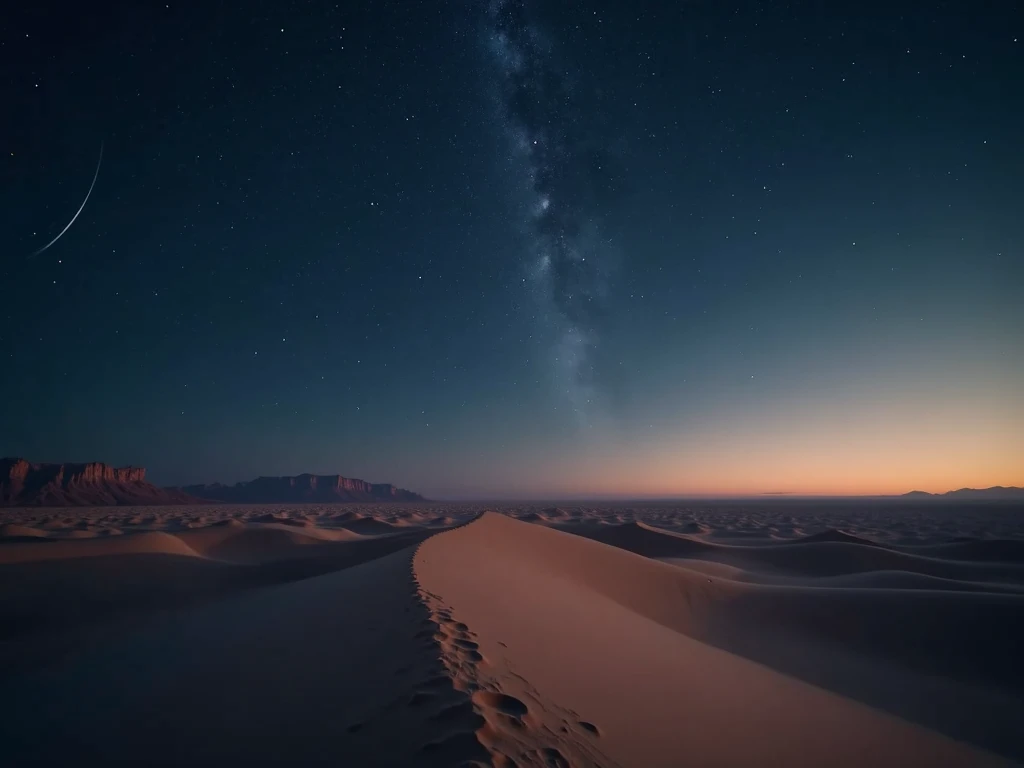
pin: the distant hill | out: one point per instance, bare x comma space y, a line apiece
24, 484
301, 488
997, 492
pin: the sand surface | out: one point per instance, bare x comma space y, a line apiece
784, 633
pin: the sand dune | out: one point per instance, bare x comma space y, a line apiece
833, 536
862, 580
10, 532
539, 598
811, 556
571, 636
64, 586
990, 550
147, 542
336, 667
261, 543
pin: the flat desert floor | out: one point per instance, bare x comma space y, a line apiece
784, 633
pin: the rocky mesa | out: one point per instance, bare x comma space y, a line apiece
301, 488
995, 493
26, 484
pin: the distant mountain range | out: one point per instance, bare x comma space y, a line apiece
997, 492
301, 488
25, 484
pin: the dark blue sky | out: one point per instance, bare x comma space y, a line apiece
643, 248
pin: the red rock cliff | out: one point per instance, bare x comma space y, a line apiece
23, 483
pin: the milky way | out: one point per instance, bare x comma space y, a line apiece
569, 182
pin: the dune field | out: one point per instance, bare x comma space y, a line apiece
765, 634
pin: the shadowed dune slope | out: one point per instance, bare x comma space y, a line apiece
52, 589
989, 551
812, 556
340, 668
644, 539
933, 650
862, 580
969, 633
832, 535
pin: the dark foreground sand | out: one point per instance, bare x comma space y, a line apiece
782, 635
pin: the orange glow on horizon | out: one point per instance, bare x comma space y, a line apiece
878, 451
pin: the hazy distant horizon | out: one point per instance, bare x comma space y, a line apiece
552, 492
585, 496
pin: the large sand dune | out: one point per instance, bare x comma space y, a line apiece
437, 635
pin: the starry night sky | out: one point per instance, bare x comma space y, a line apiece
503, 249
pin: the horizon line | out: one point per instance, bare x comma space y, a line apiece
909, 495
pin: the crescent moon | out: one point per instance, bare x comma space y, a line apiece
80, 208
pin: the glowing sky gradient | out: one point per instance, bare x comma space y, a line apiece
318, 244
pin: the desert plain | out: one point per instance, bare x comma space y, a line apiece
763, 633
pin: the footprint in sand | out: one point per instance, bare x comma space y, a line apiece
553, 758
589, 727
500, 702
